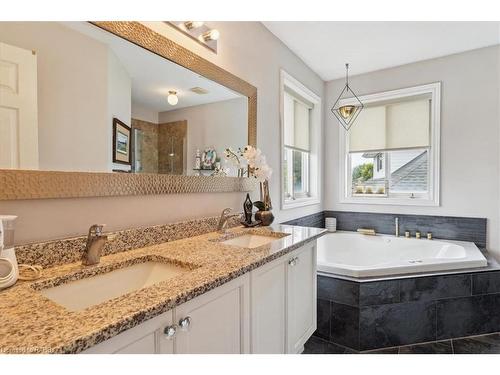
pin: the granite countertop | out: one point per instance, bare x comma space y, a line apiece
31, 323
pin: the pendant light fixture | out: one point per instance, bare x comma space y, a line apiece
346, 114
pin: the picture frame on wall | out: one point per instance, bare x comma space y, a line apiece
122, 135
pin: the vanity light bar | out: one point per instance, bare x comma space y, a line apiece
198, 31
193, 24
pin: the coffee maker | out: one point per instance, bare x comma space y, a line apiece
9, 270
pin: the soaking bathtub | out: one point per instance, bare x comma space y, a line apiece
357, 255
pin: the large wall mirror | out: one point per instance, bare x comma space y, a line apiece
117, 98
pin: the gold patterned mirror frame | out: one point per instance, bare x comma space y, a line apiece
24, 184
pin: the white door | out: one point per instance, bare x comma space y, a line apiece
268, 308
301, 297
18, 108
217, 322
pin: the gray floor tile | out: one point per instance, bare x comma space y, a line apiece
315, 345
383, 351
442, 347
488, 344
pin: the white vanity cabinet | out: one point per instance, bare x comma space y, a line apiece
142, 339
268, 300
301, 297
283, 296
215, 322
269, 310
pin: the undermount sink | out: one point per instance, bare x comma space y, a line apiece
250, 240
80, 294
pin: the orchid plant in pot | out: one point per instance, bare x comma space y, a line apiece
259, 169
256, 167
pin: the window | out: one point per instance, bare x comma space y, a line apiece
391, 154
301, 116
296, 148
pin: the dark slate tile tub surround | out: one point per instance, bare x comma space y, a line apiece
380, 314
372, 314
445, 227
316, 220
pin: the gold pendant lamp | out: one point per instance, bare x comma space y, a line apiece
347, 107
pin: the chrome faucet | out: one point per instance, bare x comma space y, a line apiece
224, 216
95, 243
396, 224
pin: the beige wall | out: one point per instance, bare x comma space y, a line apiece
142, 113
469, 134
219, 125
246, 49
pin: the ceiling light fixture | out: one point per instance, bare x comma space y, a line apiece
346, 114
199, 31
193, 24
212, 34
172, 98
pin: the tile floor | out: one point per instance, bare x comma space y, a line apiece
486, 344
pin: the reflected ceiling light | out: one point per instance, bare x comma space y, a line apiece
172, 98
193, 24
346, 114
212, 34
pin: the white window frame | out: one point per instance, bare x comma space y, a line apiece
314, 176
433, 197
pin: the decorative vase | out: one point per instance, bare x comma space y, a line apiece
265, 217
265, 197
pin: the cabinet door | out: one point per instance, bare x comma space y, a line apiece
218, 321
301, 297
145, 345
142, 339
268, 285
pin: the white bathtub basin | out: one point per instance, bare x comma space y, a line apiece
357, 255
80, 294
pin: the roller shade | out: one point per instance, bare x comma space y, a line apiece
296, 123
395, 126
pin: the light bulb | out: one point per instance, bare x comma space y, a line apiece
211, 35
172, 98
193, 24
347, 111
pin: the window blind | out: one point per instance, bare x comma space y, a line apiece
296, 123
394, 126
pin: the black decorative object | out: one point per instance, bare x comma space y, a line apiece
247, 209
